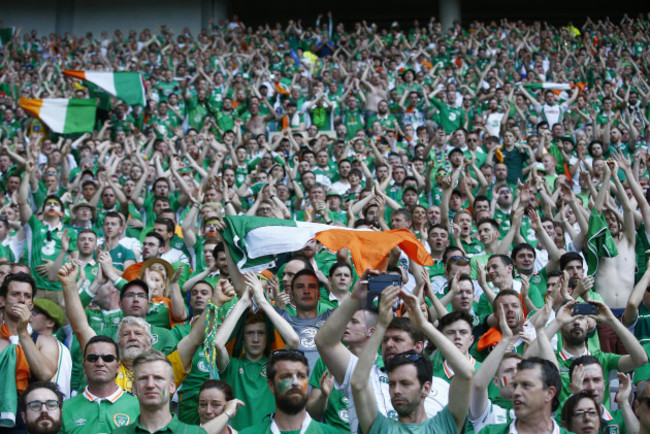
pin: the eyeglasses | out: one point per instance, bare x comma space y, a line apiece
591, 414
50, 404
140, 295
107, 358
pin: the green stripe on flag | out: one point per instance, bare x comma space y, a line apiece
128, 87
80, 116
235, 238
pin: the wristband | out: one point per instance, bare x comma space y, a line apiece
227, 202
272, 196
117, 280
226, 413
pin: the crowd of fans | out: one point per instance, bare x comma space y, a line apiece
516, 153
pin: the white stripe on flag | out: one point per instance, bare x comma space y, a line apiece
269, 240
53, 112
105, 80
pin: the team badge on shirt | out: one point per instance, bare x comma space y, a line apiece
121, 419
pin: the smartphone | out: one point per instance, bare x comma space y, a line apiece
585, 309
376, 284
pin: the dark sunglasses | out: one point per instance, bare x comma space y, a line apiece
285, 351
107, 358
411, 357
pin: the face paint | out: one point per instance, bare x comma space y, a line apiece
292, 383
503, 381
284, 386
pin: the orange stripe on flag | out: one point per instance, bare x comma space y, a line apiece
31, 106
81, 75
369, 248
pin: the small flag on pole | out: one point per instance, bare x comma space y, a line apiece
63, 116
126, 86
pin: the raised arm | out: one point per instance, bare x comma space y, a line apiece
68, 274
364, 397
289, 335
488, 369
328, 339
460, 386
25, 211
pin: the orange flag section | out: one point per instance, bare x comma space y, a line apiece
81, 75
31, 106
368, 248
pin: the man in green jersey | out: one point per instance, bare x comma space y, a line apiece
247, 375
44, 236
288, 375
103, 405
536, 389
200, 294
410, 378
155, 386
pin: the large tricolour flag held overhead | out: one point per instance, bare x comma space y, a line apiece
252, 242
126, 86
549, 85
63, 116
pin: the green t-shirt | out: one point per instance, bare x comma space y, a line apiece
44, 243
442, 422
81, 415
188, 410
608, 361
336, 412
313, 428
173, 427
248, 381
505, 429
120, 255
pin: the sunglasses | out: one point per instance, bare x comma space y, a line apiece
459, 258
284, 351
107, 358
411, 357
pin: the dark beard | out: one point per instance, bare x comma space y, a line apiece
290, 405
33, 428
575, 340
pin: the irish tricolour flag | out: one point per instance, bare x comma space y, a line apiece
253, 242
126, 86
549, 85
63, 116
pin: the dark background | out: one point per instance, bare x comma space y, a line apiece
255, 12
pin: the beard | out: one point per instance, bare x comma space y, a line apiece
131, 353
53, 428
291, 404
575, 340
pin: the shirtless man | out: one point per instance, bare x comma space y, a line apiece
376, 92
614, 278
256, 125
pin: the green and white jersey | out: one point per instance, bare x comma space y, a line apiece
87, 413
248, 382
608, 361
336, 413
44, 243
188, 410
